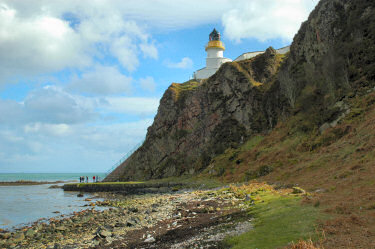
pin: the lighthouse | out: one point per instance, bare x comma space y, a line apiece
215, 52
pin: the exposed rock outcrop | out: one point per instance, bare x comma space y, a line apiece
331, 58
196, 121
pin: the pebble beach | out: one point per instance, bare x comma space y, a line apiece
182, 219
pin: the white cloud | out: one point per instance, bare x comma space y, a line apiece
35, 39
131, 105
126, 52
149, 50
148, 84
185, 63
53, 105
41, 37
266, 19
102, 80
37, 45
50, 129
54, 127
68, 147
49, 105
55, 110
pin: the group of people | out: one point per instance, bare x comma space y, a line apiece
94, 179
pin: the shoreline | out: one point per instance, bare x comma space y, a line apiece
27, 183
174, 219
133, 220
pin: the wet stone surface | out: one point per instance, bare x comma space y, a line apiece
179, 220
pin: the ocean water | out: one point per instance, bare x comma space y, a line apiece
21, 205
46, 177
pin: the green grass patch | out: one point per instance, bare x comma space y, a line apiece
105, 183
252, 142
198, 182
179, 89
279, 220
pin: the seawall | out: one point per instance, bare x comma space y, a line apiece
130, 188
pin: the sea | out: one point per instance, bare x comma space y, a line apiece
24, 204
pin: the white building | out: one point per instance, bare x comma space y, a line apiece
214, 49
249, 55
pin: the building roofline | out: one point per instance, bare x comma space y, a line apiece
259, 52
248, 53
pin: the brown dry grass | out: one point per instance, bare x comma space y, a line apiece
338, 167
303, 244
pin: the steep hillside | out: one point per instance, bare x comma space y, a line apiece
331, 60
196, 121
337, 167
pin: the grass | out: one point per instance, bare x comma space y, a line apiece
185, 181
105, 183
193, 182
179, 89
338, 164
279, 219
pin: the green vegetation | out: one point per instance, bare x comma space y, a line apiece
231, 157
279, 219
189, 181
105, 183
179, 89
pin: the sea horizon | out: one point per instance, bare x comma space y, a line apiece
40, 201
10, 177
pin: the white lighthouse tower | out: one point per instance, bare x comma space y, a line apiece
215, 49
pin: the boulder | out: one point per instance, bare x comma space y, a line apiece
18, 237
30, 233
298, 190
5, 235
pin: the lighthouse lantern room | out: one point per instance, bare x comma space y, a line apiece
215, 50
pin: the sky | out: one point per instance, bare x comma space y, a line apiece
80, 81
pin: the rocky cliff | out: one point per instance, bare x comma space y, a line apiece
331, 59
196, 121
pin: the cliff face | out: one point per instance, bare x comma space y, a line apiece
331, 59
196, 121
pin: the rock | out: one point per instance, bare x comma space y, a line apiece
105, 233
177, 216
60, 228
133, 221
120, 224
133, 209
80, 195
5, 235
95, 242
226, 106
55, 186
149, 239
324, 127
56, 246
30, 233
18, 237
298, 190
191, 124
321, 190
88, 199
85, 219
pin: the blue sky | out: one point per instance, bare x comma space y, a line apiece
80, 81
